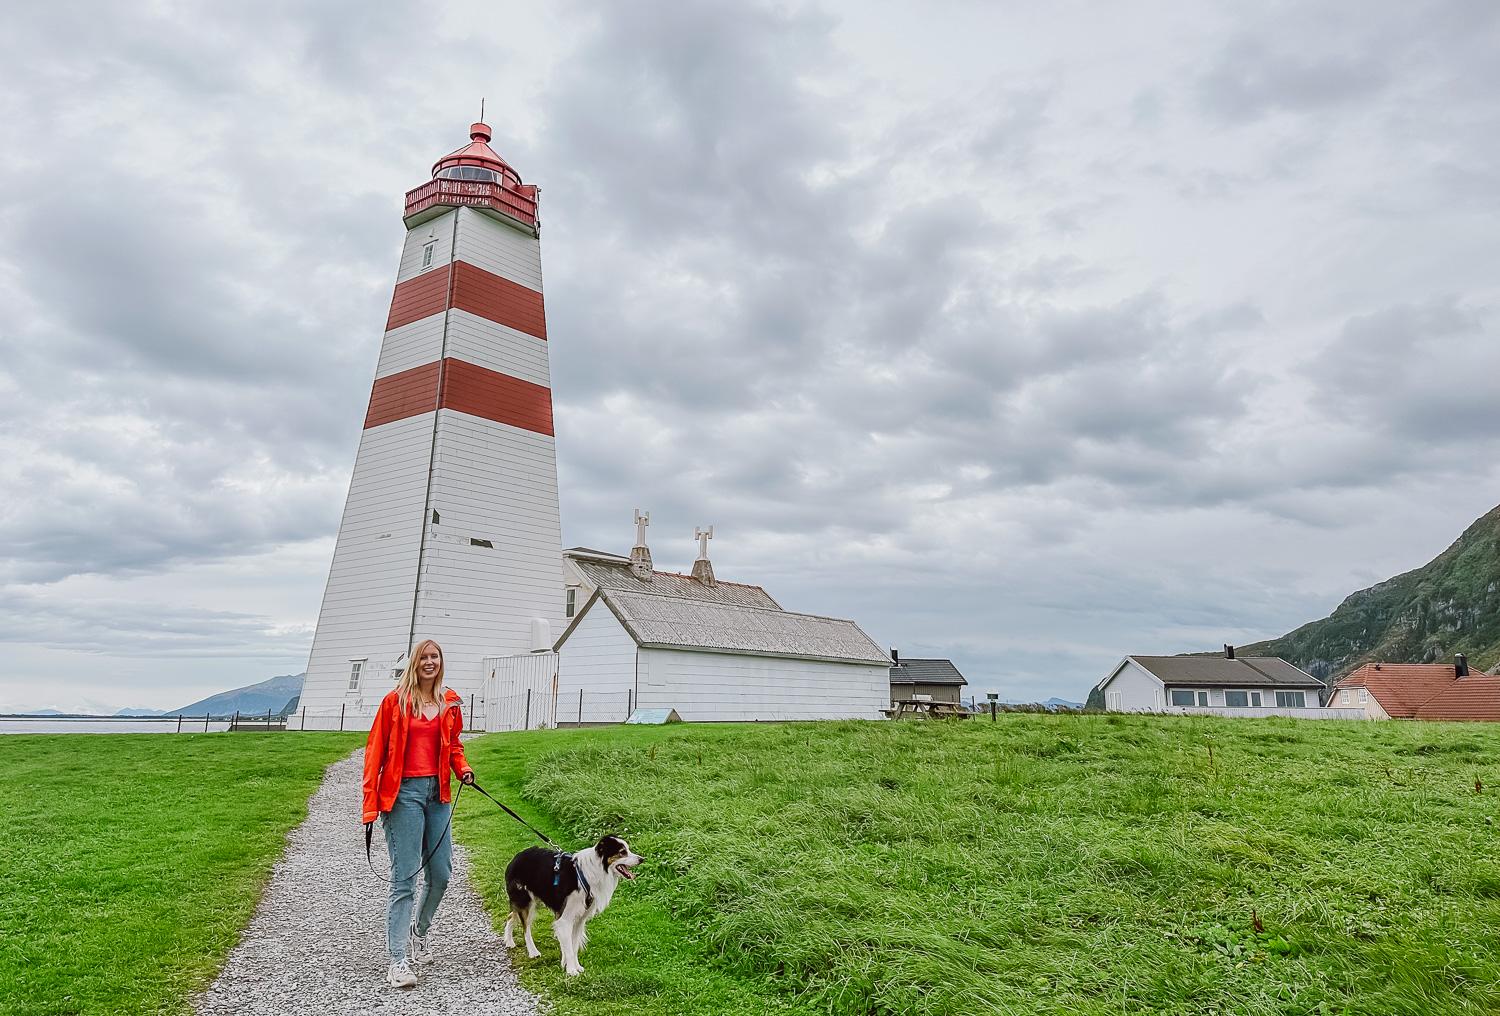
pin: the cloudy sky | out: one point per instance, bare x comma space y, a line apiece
1029, 335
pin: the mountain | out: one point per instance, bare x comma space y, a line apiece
273, 694
141, 712
1061, 703
1449, 605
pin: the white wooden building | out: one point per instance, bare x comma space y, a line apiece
711, 650
1228, 685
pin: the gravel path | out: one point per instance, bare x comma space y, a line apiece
316, 944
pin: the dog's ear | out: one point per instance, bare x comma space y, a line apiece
609, 847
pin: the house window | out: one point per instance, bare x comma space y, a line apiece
1203, 698
572, 601
1255, 699
355, 667
1364, 696
1182, 697
1237, 699
427, 253
1344, 697
1291, 700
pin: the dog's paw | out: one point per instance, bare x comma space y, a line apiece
535, 954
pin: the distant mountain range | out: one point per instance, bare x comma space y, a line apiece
1449, 605
276, 694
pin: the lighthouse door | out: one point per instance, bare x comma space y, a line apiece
520, 692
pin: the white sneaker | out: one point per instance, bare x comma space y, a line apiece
417, 947
400, 976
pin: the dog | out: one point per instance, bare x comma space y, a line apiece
575, 887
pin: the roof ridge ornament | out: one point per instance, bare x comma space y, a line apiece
640, 554
703, 569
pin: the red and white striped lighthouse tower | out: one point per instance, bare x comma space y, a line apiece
451, 529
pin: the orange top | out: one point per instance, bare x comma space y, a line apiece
421, 756
385, 752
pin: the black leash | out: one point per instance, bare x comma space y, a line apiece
370, 830
544, 837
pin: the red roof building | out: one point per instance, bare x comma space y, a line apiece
1421, 691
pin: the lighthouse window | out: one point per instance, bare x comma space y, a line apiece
427, 253
572, 601
355, 667
469, 173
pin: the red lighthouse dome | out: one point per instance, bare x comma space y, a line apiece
474, 176
476, 161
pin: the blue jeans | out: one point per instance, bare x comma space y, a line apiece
413, 827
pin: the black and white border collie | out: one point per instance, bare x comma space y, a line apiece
574, 886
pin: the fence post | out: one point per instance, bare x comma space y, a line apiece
526, 723
205, 721
179, 723
236, 724
268, 718
629, 702
342, 707
304, 717
471, 710
580, 707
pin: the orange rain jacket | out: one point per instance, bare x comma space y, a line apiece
385, 751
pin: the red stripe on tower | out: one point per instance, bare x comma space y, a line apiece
465, 388
419, 297
475, 290
397, 396
498, 299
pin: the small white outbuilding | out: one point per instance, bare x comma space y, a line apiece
711, 650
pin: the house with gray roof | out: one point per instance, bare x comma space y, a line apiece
1227, 685
934, 680
639, 638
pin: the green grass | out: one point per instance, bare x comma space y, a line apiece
1041, 864
131, 862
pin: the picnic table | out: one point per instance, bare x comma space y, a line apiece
926, 708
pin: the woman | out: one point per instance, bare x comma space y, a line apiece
413, 743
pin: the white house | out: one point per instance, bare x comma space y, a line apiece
712, 650
1223, 685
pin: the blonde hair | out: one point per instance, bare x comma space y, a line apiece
407, 687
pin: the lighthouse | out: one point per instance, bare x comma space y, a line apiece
451, 528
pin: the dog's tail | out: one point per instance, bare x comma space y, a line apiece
520, 896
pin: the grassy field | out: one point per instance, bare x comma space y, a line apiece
1041, 864
132, 861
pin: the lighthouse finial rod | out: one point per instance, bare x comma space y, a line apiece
481, 109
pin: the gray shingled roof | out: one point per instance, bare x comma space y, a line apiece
910, 671
608, 575
655, 620
1218, 672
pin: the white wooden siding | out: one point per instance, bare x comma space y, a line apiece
366, 610
1131, 690
440, 232
498, 483
598, 659
411, 345
491, 345
499, 249
728, 686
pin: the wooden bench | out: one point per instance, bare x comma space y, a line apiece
926, 708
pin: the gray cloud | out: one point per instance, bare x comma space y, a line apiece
990, 359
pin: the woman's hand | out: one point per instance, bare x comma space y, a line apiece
467, 778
